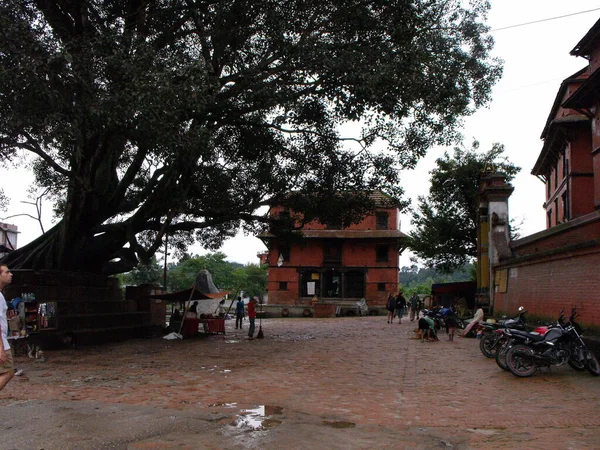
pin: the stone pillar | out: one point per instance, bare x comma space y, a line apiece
493, 234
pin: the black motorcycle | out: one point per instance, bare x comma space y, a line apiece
561, 344
491, 341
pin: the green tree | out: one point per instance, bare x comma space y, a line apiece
445, 222
148, 119
183, 275
252, 279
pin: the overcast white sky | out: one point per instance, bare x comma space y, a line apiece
536, 60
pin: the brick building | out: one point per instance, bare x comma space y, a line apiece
338, 266
557, 268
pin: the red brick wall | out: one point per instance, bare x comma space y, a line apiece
544, 287
555, 269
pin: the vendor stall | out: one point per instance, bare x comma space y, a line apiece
193, 319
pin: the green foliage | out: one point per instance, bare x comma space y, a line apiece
183, 118
420, 279
252, 278
182, 276
445, 222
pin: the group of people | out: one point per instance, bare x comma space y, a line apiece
397, 304
240, 312
221, 312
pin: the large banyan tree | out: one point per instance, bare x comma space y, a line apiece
152, 118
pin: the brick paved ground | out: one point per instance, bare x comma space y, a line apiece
345, 383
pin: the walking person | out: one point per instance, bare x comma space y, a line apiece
7, 370
414, 304
400, 306
251, 317
391, 307
239, 313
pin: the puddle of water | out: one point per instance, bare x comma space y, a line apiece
225, 370
339, 424
225, 405
232, 341
258, 418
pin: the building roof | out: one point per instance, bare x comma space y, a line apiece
587, 94
555, 142
577, 77
587, 43
344, 234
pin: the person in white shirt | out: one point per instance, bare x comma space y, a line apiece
476, 319
7, 370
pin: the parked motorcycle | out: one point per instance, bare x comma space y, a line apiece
510, 337
561, 344
491, 341
440, 314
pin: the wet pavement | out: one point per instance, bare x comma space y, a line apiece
343, 383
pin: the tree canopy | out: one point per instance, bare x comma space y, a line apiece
181, 118
445, 222
251, 278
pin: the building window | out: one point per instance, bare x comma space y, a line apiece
310, 284
381, 287
283, 285
565, 204
556, 212
381, 253
382, 220
549, 218
556, 177
332, 252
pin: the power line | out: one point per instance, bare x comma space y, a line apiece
544, 20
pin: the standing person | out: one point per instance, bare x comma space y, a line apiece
400, 305
414, 304
251, 317
239, 313
391, 307
192, 312
419, 306
7, 370
221, 309
451, 325
478, 318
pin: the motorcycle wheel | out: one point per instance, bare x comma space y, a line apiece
575, 361
487, 345
576, 364
591, 363
519, 360
501, 357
